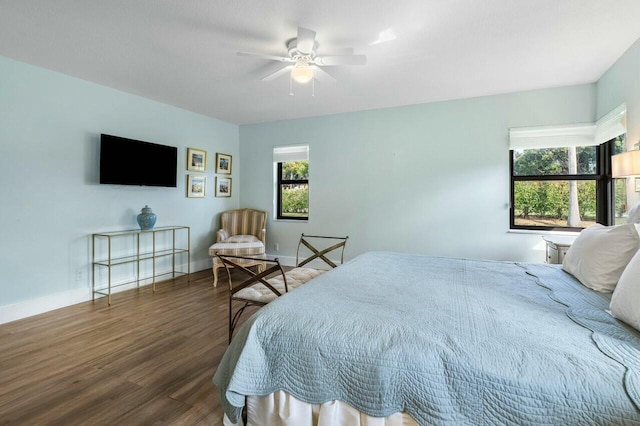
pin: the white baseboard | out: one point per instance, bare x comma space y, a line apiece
284, 260
201, 265
27, 308
39, 305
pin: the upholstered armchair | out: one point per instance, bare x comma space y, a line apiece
242, 233
242, 223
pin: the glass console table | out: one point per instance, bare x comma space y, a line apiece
103, 256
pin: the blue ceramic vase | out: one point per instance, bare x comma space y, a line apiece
146, 218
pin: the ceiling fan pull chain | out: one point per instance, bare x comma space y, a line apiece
290, 85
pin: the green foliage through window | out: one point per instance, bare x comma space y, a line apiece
293, 190
553, 161
295, 170
555, 187
546, 203
295, 200
566, 187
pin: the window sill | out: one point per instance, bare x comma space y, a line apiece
542, 232
292, 220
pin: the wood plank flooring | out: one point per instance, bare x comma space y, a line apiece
146, 359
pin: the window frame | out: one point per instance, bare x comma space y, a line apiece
279, 183
605, 202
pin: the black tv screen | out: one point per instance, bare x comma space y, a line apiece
130, 162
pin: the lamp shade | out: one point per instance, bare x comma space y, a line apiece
302, 73
626, 164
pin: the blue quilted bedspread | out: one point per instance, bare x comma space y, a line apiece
449, 341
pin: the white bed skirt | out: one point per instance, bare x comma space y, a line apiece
282, 409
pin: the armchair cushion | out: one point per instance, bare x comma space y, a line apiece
236, 249
243, 239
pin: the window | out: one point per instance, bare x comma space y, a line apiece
561, 180
292, 182
561, 175
625, 195
555, 188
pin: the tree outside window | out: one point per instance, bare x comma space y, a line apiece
561, 187
293, 190
552, 194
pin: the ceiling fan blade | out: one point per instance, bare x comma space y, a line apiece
278, 73
265, 56
321, 75
341, 60
305, 41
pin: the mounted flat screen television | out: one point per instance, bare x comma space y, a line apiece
131, 162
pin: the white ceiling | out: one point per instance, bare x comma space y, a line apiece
183, 52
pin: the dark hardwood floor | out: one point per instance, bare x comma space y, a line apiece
146, 359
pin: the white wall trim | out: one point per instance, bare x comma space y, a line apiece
284, 260
612, 125
27, 308
581, 134
50, 302
201, 265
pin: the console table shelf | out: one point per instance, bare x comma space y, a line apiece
105, 258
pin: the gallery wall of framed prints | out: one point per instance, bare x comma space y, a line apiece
196, 160
223, 186
223, 164
196, 186
223, 167
197, 182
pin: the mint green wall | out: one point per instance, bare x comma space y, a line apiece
50, 199
621, 84
430, 178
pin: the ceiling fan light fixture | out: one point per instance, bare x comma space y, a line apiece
302, 73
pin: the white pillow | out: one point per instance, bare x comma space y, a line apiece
625, 302
600, 253
634, 214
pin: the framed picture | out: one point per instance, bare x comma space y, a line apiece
223, 164
196, 186
196, 160
223, 187
637, 184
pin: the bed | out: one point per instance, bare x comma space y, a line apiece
439, 340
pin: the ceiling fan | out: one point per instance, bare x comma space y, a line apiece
303, 63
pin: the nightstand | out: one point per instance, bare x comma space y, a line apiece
557, 246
